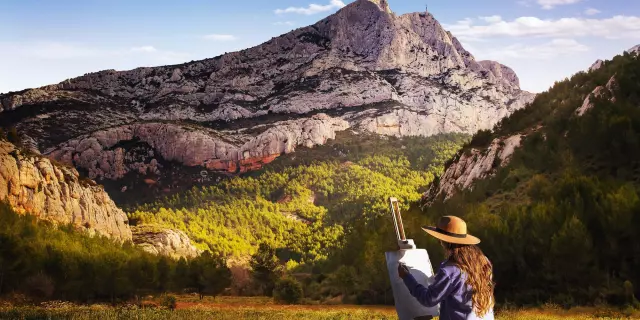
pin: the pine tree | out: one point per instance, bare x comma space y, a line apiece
266, 268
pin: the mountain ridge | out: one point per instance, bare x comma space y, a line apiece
368, 69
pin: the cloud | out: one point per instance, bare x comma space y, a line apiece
219, 37
524, 3
51, 50
312, 8
548, 50
491, 19
549, 4
284, 23
616, 27
144, 49
591, 11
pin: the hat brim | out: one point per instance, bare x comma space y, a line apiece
468, 239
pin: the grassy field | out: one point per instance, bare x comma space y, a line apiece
263, 308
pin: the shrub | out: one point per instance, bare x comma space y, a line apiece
481, 139
169, 302
288, 290
39, 286
13, 137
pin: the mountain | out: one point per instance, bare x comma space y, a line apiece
363, 68
553, 190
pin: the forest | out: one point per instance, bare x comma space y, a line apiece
44, 262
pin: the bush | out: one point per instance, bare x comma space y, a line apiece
288, 290
39, 286
169, 302
13, 137
481, 139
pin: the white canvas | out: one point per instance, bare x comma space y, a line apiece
417, 260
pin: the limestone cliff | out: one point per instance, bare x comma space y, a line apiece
472, 165
101, 156
33, 184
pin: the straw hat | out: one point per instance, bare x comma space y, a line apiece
453, 230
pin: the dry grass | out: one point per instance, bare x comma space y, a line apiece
238, 308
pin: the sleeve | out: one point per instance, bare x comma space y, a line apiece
431, 295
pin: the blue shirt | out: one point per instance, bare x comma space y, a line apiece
450, 290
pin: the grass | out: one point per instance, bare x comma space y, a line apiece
195, 314
238, 308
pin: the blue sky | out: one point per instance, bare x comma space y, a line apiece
44, 42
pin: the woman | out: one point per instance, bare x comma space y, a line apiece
463, 286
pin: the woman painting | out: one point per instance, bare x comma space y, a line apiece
463, 286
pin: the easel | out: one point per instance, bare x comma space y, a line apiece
417, 260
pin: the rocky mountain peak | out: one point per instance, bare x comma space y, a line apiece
382, 4
362, 68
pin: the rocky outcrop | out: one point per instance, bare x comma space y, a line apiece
346, 65
473, 165
101, 156
501, 72
162, 241
598, 92
634, 50
33, 184
596, 65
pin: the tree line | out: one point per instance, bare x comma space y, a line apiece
45, 261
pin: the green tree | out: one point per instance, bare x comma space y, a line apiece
13, 137
165, 274
266, 268
209, 275
288, 290
181, 275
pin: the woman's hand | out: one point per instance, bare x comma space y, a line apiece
403, 271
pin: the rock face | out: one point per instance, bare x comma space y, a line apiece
634, 50
596, 65
502, 72
161, 241
598, 92
366, 67
473, 165
99, 154
33, 184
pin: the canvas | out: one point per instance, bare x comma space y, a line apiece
417, 260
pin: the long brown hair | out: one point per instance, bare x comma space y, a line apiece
479, 271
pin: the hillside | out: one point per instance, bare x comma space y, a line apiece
559, 218
304, 203
363, 68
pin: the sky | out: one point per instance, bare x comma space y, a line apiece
44, 41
